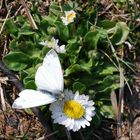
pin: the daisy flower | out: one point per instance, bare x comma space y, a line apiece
74, 111
54, 45
69, 17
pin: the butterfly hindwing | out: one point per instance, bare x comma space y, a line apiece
32, 98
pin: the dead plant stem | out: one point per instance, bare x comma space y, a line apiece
31, 20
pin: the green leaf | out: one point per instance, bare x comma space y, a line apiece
88, 80
11, 27
51, 18
108, 70
26, 47
62, 30
86, 65
16, 61
107, 24
75, 68
44, 24
73, 50
91, 39
108, 84
107, 111
29, 81
96, 120
83, 28
120, 34
72, 69
31, 73
55, 8
78, 86
30, 85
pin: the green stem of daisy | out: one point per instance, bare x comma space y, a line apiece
68, 134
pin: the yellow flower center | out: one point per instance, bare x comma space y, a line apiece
70, 16
73, 109
51, 44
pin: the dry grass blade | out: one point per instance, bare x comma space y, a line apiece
3, 104
2, 27
114, 103
1, 2
121, 102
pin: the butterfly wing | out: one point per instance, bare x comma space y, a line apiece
32, 98
49, 76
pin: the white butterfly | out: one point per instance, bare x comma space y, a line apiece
49, 82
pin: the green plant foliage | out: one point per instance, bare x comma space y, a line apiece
16, 61
11, 27
120, 34
62, 30
89, 64
77, 86
107, 111
91, 39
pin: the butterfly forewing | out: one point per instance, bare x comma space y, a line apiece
49, 76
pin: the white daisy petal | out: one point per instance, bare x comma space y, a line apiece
62, 119
43, 43
53, 43
62, 49
57, 115
68, 94
87, 117
76, 126
68, 122
72, 124
86, 122
76, 97
88, 112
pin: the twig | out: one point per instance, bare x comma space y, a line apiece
2, 27
106, 9
20, 87
41, 138
121, 103
114, 103
31, 20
